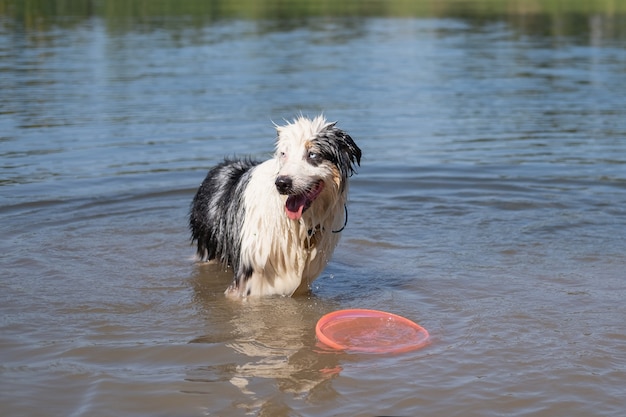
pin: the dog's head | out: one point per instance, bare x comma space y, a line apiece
315, 158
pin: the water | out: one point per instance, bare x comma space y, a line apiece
490, 208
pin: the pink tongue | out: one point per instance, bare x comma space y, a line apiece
295, 206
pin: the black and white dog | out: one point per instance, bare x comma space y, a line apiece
277, 222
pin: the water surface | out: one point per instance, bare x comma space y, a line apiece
490, 208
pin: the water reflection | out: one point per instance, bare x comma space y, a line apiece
274, 338
590, 22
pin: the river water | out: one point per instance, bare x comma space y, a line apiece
490, 207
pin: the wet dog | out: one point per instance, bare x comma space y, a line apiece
277, 222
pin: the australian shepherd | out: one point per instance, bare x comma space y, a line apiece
277, 222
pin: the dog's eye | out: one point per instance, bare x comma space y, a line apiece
282, 154
314, 156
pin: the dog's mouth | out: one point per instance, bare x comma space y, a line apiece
298, 203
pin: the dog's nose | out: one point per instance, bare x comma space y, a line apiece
283, 184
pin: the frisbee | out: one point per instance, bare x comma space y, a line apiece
371, 331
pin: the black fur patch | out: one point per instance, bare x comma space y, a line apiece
217, 213
337, 146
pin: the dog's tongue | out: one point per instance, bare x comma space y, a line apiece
295, 206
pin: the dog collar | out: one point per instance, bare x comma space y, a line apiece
317, 228
345, 223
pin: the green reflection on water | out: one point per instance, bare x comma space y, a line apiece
217, 9
544, 17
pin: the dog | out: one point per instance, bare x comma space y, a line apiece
277, 222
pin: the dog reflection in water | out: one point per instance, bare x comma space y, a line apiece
284, 354
263, 348
277, 222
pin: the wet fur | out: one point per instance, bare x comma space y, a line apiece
239, 216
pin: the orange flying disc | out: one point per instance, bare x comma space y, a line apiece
371, 331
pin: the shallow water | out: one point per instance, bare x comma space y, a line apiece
489, 208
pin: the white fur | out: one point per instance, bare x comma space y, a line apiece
289, 254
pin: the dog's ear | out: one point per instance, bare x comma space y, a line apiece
350, 151
354, 152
